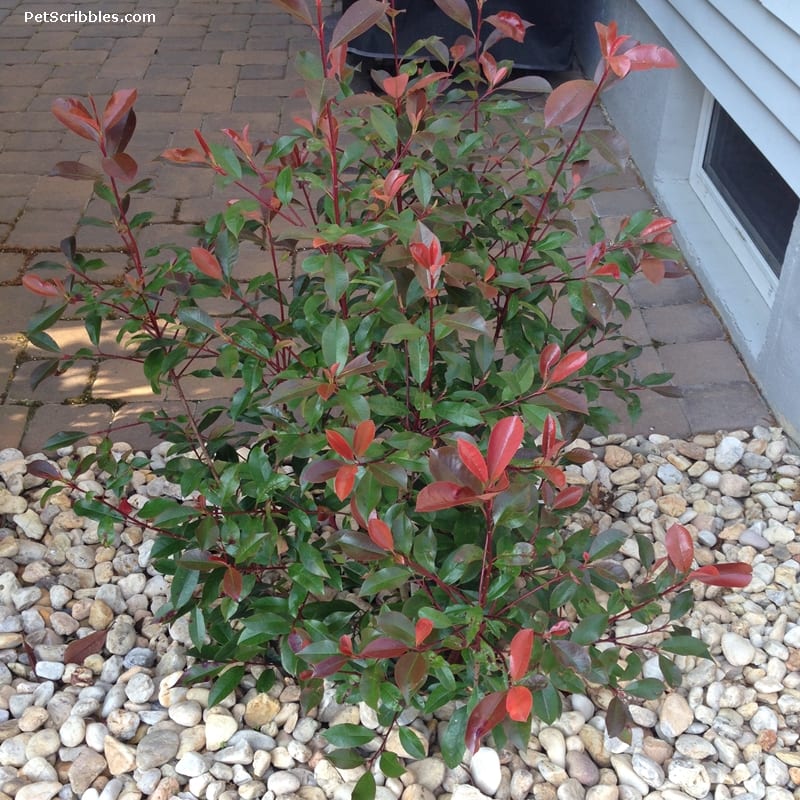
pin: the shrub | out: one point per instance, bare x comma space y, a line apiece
383, 502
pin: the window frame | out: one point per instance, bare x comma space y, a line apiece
746, 251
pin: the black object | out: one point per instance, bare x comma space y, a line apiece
547, 46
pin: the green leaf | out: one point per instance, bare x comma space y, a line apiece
423, 186
335, 343
365, 788
453, 739
345, 759
348, 735
63, 439
283, 185
685, 646
547, 704
197, 319
45, 318
384, 580
681, 605
458, 413
410, 740
418, 359
43, 340
590, 629
646, 688
385, 126
606, 543
391, 766
402, 332
225, 684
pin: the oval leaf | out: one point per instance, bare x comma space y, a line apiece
567, 497
78, 650
567, 101
359, 17
441, 495
519, 703
232, 583
473, 460
206, 262
120, 166
568, 365
457, 10
384, 647
422, 630
363, 437
488, 714
344, 480
118, 105
680, 547
339, 444
736, 575
520, 654
504, 441
380, 533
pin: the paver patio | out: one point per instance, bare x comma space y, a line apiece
221, 64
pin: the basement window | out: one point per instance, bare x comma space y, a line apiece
762, 202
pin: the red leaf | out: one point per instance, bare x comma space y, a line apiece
656, 227
74, 115
384, 647
118, 105
297, 640
422, 630
206, 262
443, 494
606, 35
120, 166
33, 283
680, 547
344, 480
567, 497
520, 653
653, 269
232, 583
509, 24
395, 85
568, 365
457, 10
473, 460
519, 702
548, 358
504, 441
555, 475
359, 17
607, 269
364, 436
650, 56
78, 650
329, 666
488, 714
340, 445
346, 645
380, 533
567, 101
75, 171
736, 575
124, 506
44, 469
184, 155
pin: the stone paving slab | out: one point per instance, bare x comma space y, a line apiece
219, 64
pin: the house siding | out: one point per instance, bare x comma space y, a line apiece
746, 54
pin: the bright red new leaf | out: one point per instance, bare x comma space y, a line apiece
567, 498
520, 653
488, 714
650, 56
120, 166
346, 644
329, 666
549, 436
656, 227
118, 105
736, 575
422, 630
473, 460
206, 262
509, 24
340, 445
380, 533
184, 155
568, 365
395, 85
74, 115
548, 358
344, 480
680, 547
519, 702
363, 437
653, 269
555, 475
504, 441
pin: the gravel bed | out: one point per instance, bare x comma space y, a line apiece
119, 726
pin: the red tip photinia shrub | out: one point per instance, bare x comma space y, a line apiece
382, 500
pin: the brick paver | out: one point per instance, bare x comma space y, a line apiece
210, 65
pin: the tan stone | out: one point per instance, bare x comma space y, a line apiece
261, 710
121, 757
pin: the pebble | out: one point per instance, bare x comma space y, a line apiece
485, 770
737, 650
